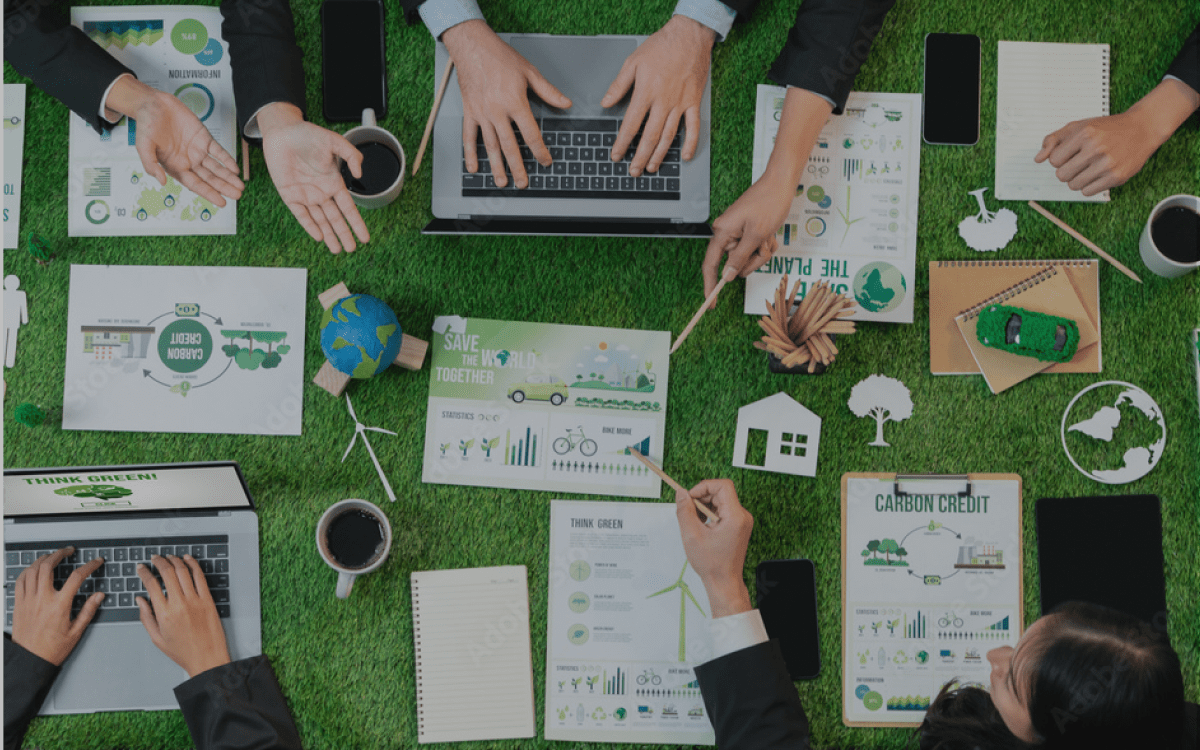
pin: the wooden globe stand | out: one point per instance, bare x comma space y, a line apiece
411, 355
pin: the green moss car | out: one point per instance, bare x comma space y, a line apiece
1049, 338
540, 388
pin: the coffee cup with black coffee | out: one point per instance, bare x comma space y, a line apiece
382, 164
1170, 244
353, 537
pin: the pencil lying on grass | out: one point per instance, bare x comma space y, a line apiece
709, 516
1086, 242
729, 274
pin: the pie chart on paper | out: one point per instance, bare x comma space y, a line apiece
197, 98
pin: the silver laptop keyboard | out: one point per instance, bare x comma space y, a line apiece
117, 578
581, 166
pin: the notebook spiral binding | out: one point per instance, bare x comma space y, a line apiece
1104, 67
416, 599
1081, 263
1008, 294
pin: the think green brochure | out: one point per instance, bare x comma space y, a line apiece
539, 406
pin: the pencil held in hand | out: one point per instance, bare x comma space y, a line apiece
728, 275
709, 516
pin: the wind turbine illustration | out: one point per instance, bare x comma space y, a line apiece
684, 594
359, 428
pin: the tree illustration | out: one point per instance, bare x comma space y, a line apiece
579, 377
901, 553
884, 399
270, 338
486, 446
873, 548
888, 547
231, 349
464, 444
591, 375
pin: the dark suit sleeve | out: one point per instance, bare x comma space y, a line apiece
410, 8
266, 62
41, 43
238, 706
27, 682
752, 701
1187, 63
828, 44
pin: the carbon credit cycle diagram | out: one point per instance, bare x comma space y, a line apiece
183, 344
888, 552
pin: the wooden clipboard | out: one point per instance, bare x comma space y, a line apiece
894, 477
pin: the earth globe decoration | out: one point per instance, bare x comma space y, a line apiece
1108, 421
879, 287
360, 336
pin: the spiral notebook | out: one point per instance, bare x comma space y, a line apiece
1042, 86
957, 285
473, 658
1048, 291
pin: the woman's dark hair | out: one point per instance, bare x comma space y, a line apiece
1093, 678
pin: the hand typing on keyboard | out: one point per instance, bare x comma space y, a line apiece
42, 621
667, 73
183, 623
494, 79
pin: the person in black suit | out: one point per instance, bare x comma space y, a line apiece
1080, 678
1099, 153
268, 84
226, 704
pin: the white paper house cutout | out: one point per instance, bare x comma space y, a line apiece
793, 435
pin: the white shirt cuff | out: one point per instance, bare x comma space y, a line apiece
440, 15
712, 13
736, 632
104, 99
252, 130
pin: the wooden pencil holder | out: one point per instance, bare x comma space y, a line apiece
801, 341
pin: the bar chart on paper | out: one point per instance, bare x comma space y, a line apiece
522, 451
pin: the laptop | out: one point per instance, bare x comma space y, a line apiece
583, 193
126, 514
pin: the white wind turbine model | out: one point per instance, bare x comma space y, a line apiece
360, 428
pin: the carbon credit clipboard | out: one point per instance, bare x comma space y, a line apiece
931, 581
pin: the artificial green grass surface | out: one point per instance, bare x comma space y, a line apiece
346, 666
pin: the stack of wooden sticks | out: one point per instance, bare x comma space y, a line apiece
804, 335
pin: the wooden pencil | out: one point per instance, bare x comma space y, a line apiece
437, 103
708, 514
1086, 242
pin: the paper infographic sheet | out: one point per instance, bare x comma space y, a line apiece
176, 49
628, 619
14, 150
932, 583
853, 221
185, 349
545, 407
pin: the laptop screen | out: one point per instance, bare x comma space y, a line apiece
81, 491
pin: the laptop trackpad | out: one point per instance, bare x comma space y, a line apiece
581, 67
115, 667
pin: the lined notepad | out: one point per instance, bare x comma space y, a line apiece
473, 658
1041, 87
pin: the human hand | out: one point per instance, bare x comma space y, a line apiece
172, 140
494, 79
1099, 153
717, 552
42, 621
668, 73
746, 231
184, 623
305, 164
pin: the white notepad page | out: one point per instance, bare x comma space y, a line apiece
473, 658
1041, 87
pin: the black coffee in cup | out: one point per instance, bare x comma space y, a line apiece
380, 168
1176, 232
355, 538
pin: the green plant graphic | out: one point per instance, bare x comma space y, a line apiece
30, 415
102, 491
684, 594
445, 447
486, 446
846, 217
464, 444
250, 358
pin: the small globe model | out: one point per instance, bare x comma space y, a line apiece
1121, 428
360, 336
879, 287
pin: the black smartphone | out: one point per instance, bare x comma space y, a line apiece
787, 601
352, 59
950, 105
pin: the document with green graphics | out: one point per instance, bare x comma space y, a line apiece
627, 621
539, 406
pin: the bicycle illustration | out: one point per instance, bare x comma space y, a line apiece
650, 677
949, 619
565, 445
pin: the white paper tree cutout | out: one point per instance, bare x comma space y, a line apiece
987, 231
885, 399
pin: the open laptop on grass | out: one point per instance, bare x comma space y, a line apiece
583, 192
127, 514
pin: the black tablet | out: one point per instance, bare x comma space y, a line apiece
1104, 550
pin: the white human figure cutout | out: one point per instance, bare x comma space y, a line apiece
16, 314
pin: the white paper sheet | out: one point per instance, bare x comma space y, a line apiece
176, 49
14, 150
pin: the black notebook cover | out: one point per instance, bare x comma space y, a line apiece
1104, 550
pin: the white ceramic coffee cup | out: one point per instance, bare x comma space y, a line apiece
1151, 255
369, 132
346, 575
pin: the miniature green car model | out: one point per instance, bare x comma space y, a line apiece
539, 388
1049, 338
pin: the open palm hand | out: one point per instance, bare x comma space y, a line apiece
172, 140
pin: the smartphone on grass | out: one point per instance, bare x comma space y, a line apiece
787, 600
950, 101
353, 72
